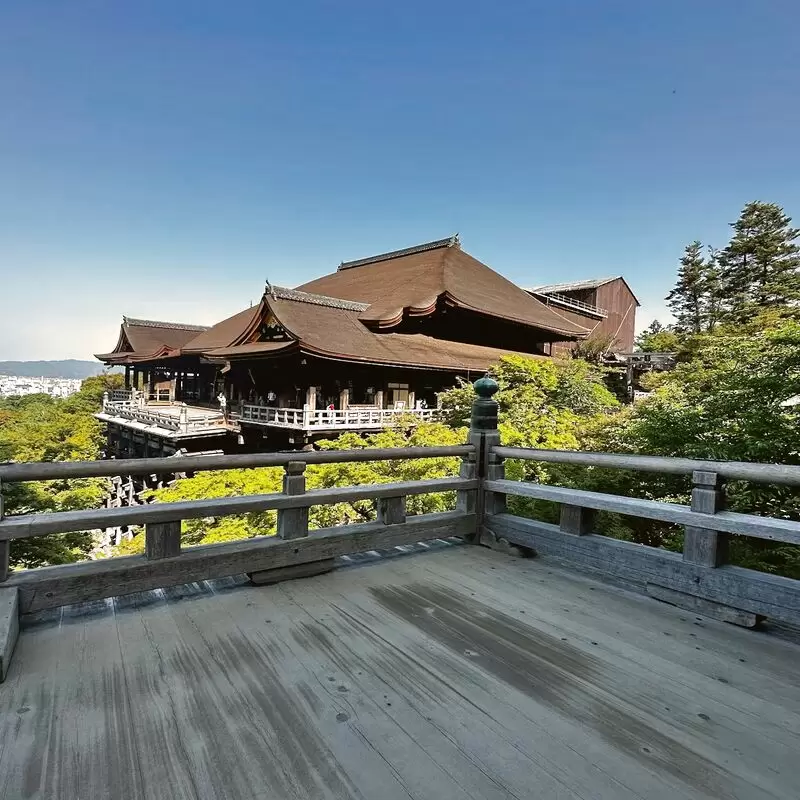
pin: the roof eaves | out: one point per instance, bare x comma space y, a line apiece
283, 293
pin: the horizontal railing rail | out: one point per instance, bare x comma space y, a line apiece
786, 475
25, 525
55, 470
778, 530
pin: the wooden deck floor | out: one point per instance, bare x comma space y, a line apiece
455, 673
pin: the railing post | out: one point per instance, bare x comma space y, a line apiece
184, 419
5, 545
391, 510
162, 539
701, 546
577, 520
293, 522
483, 434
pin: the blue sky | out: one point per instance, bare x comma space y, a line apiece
162, 159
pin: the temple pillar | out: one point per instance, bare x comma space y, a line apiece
344, 399
311, 397
379, 398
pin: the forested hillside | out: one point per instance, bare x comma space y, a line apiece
67, 368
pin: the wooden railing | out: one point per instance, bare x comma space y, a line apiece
165, 563
700, 578
182, 422
353, 418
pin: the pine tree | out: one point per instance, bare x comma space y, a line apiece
694, 301
760, 267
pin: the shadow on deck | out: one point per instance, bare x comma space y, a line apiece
457, 672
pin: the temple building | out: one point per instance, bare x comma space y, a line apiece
351, 351
606, 307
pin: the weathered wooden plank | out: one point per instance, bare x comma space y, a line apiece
701, 545
26, 525
162, 539
5, 545
786, 475
51, 470
779, 530
745, 619
9, 627
758, 592
269, 576
49, 587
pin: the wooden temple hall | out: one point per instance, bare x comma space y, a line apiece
352, 350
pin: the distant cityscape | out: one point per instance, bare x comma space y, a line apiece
16, 386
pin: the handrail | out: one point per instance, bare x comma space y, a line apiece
54, 470
784, 474
23, 526
778, 530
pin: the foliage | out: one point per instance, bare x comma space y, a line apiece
228, 483
43, 428
594, 348
657, 339
760, 267
694, 301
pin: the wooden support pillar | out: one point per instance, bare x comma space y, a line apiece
128, 377
702, 546
311, 398
576, 520
162, 539
391, 510
344, 399
412, 400
379, 398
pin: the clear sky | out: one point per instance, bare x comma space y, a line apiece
162, 159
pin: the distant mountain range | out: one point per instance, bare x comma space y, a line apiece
68, 368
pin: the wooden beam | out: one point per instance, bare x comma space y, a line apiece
61, 470
786, 475
689, 602
50, 587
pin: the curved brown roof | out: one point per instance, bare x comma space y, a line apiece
230, 331
411, 281
327, 328
145, 339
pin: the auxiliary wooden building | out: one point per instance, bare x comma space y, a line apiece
353, 350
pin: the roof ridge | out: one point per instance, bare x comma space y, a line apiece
450, 241
284, 293
586, 283
153, 323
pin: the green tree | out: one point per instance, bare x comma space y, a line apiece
760, 267
694, 300
656, 338
43, 428
230, 483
